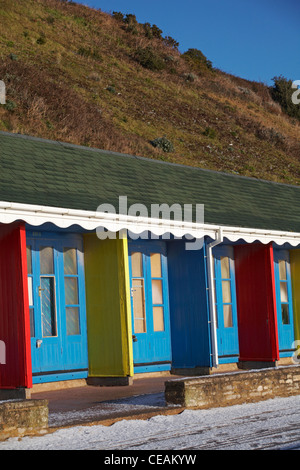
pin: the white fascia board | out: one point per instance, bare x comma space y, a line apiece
90, 220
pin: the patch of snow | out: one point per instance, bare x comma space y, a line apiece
271, 424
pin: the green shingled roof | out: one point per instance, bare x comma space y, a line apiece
49, 173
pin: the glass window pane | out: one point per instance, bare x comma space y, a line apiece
32, 329
226, 292
157, 297
225, 272
29, 262
139, 326
48, 306
282, 270
46, 260
30, 291
283, 292
227, 311
137, 264
158, 319
285, 314
70, 261
71, 291
138, 305
72, 318
155, 265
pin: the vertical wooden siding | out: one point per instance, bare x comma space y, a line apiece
190, 335
14, 308
295, 274
108, 307
256, 303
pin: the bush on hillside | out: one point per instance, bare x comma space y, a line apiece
171, 42
156, 31
282, 92
149, 59
118, 16
163, 143
197, 59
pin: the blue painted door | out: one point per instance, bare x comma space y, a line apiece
57, 307
284, 303
227, 325
150, 306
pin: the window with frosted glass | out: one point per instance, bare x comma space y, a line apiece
71, 291
226, 291
284, 296
48, 306
47, 292
157, 292
138, 297
30, 290
46, 260
138, 293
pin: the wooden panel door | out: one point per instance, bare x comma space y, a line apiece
227, 324
150, 306
57, 305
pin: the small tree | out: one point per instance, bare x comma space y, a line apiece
156, 31
148, 30
197, 59
118, 16
282, 92
170, 42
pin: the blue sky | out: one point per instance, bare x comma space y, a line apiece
254, 39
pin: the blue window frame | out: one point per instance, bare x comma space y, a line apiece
150, 306
56, 290
284, 302
226, 308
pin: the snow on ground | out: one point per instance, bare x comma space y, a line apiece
108, 409
272, 424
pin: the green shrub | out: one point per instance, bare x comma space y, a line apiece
148, 30
197, 58
132, 24
111, 89
149, 59
13, 56
41, 40
10, 105
210, 132
282, 92
156, 31
130, 19
170, 42
118, 16
163, 143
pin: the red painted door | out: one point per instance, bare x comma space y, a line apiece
256, 302
14, 308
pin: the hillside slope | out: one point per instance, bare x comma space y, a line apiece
80, 75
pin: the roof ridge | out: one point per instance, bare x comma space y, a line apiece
138, 157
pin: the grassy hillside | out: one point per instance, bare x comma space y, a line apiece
80, 75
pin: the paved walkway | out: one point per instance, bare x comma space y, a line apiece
93, 404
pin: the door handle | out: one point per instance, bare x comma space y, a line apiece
39, 343
134, 338
40, 291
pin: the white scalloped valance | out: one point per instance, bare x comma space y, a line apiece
88, 220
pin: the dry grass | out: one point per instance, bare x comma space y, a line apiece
81, 84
